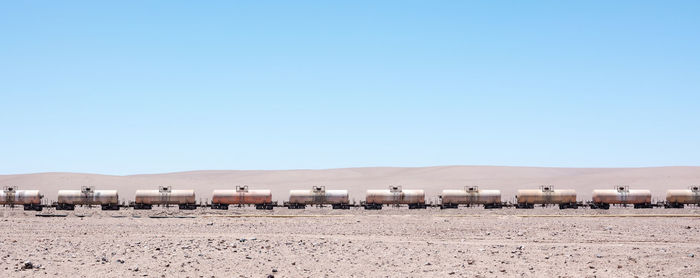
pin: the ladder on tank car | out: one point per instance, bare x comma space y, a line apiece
165, 192
10, 192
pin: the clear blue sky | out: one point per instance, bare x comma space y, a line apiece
159, 86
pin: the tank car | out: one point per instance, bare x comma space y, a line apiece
452, 198
546, 195
222, 198
678, 198
318, 195
87, 196
29, 199
165, 196
395, 195
621, 195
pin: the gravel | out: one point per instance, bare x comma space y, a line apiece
392, 242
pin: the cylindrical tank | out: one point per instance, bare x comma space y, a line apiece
621, 196
96, 197
395, 196
241, 197
546, 195
319, 196
683, 196
157, 197
471, 196
20, 197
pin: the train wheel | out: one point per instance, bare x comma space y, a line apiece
416, 206
296, 206
187, 206
449, 206
220, 206
65, 207
142, 207
373, 206
33, 207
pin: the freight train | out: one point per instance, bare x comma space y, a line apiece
339, 199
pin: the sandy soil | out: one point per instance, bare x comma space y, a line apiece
319, 242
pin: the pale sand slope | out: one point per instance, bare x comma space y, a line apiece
358, 180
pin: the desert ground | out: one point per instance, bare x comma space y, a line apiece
321, 242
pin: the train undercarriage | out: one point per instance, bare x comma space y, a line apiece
138, 206
61, 206
187, 206
561, 206
266, 206
417, 206
303, 206
568, 206
676, 205
65, 207
373, 206
486, 206
110, 207
35, 207
340, 206
296, 206
366, 206
607, 206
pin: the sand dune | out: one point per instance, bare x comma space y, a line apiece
357, 180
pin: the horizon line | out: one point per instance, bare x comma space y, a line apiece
338, 168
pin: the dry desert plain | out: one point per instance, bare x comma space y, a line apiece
320, 242
393, 242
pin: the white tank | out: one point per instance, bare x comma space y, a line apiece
161, 197
318, 195
10, 196
684, 196
395, 195
621, 195
471, 196
546, 195
88, 196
